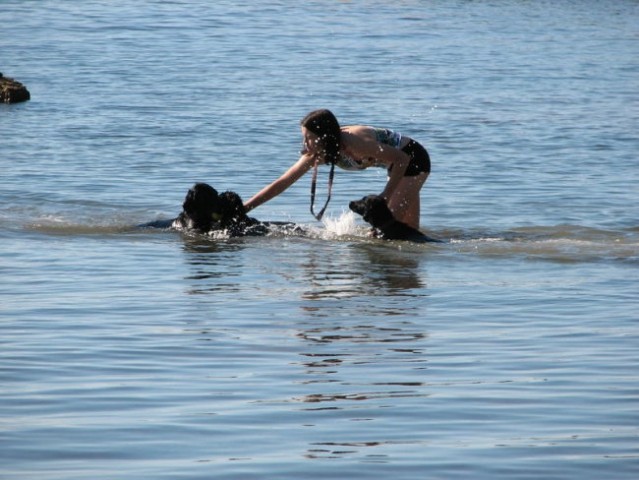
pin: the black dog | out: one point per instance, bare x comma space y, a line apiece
201, 209
204, 210
375, 211
234, 220
237, 223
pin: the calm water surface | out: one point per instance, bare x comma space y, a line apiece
509, 351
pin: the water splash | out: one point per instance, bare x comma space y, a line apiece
344, 225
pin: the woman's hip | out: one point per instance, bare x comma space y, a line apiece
419, 158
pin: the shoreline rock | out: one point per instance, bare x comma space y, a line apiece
12, 91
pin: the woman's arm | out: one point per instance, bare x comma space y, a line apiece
293, 174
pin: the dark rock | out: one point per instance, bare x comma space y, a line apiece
12, 91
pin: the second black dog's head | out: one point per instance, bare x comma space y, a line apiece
373, 209
232, 207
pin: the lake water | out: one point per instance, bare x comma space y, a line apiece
511, 351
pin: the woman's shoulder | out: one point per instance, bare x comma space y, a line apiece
384, 136
355, 128
361, 131
368, 130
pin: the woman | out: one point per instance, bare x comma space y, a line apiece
357, 147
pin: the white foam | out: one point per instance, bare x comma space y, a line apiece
345, 224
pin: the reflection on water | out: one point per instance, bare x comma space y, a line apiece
362, 306
212, 264
359, 334
325, 269
357, 397
362, 269
365, 309
335, 450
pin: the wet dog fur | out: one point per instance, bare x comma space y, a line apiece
205, 210
201, 209
375, 211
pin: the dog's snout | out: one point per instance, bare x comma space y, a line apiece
357, 206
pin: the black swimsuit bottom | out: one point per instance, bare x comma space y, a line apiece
419, 159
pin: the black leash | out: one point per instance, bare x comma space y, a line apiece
331, 175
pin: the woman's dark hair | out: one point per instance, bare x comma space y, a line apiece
324, 124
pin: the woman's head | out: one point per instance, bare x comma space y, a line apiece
325, 126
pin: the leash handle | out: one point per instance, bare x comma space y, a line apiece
331, 175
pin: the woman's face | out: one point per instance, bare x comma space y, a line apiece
311, 142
